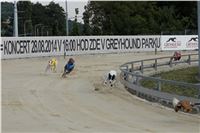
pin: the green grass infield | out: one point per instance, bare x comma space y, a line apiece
187, 75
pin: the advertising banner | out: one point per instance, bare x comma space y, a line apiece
181, 42
20, 47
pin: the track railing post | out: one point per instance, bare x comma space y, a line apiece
189, 59
132, 67
141, 67
170, 62
156, 64
159, 84
137, 82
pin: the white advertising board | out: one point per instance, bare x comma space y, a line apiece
179, 42
21, 47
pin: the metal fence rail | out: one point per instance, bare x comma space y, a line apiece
155, 62
133, 72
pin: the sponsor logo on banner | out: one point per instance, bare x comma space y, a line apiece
172, 43
192, 43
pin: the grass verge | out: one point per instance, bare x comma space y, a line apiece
186, 75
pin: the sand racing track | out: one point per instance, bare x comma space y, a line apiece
35, 102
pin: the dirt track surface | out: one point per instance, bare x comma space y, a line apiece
33, 101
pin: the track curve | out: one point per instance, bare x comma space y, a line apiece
33, 101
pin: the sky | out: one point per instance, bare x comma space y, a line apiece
71, 4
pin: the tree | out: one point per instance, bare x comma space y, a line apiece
39, 17
75, 28
134, 17
56, 19
95, 17
103, 18
32, 16
24, 17
7, 19
86, 26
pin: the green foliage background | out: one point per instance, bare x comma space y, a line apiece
51, 19
139, 17
107, 18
